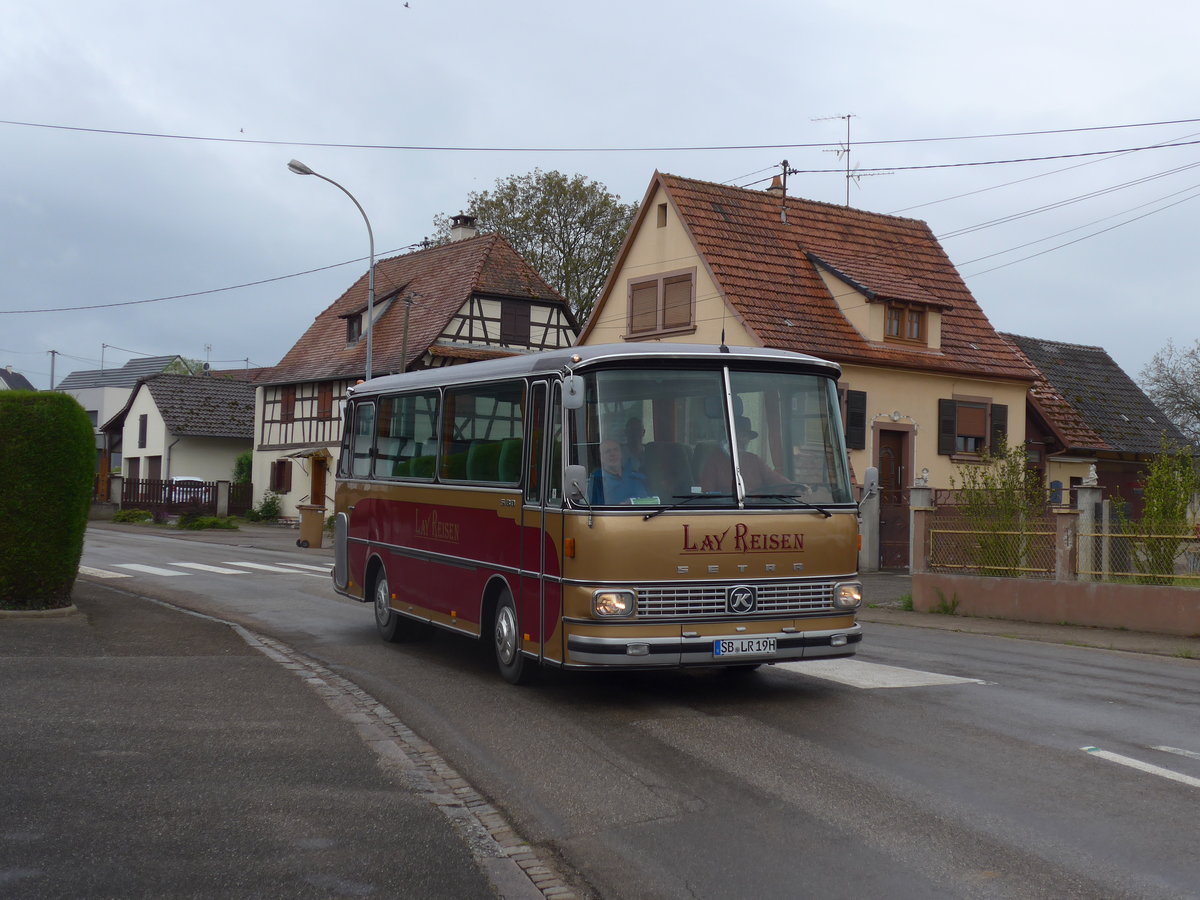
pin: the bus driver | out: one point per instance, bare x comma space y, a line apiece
614, 482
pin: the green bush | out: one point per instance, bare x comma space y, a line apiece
49, 450
199, 523
132, 515
243, 468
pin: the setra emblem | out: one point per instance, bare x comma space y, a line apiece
741, 599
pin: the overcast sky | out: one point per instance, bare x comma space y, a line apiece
98, 210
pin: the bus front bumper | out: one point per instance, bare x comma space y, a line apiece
666, 651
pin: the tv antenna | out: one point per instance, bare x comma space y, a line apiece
843, 152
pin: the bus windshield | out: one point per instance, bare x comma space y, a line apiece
710, 438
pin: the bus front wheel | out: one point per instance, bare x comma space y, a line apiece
391, 625
506, 641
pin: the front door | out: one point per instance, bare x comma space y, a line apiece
893, 500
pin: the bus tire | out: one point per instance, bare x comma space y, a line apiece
506, 641
392, 626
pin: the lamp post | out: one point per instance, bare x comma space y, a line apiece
301, 169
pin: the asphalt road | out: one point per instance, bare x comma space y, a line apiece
935, 764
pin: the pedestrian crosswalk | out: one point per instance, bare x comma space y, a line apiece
182, 568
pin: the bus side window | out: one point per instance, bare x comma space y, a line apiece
360, 444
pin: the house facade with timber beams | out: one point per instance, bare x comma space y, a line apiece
471, 299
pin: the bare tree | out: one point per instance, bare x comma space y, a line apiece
1172, 380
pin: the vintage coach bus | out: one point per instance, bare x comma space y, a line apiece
611, 506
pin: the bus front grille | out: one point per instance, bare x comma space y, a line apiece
789, 598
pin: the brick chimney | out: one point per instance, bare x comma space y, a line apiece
462, 227
776, 187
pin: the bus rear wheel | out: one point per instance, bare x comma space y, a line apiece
506, 641
391, 625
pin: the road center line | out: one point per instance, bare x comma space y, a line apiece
1142, 766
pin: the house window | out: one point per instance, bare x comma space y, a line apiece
281, 476
662, 215
664, 303
287, 403
514, 323
325, 401
971, 427
354, 325
143, 421
904, 323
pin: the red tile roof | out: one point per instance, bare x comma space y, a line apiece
440, 279
767, 269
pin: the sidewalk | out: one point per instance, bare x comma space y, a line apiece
154, 752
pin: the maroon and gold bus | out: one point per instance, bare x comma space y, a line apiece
610, 506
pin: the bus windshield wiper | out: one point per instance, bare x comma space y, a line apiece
793, 498
685, 499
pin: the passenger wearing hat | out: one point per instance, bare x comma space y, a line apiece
717, 475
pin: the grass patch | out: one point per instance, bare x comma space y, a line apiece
200, 523
945, 607
133, 515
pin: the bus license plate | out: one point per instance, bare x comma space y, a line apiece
744, 647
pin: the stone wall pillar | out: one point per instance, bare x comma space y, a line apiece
1088, 499
920, 510
1066, 541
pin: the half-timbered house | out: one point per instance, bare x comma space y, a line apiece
472, 298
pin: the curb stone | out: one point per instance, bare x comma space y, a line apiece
513, 867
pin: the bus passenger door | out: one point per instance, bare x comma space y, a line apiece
538, 607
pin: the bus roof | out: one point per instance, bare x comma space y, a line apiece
579, 359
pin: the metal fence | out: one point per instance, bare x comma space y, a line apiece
1133, 552
1024, 548
1098, 546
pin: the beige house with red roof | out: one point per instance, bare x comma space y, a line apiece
927, 381
473, 298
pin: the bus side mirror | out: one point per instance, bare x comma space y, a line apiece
870, 482
572, 392
576, 481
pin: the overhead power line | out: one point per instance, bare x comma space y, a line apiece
232, 287
545, 149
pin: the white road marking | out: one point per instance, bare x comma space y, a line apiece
1190, 754
101, 573
1141, 766
204, 567
150, 570
324, 569
859, 674
262, 567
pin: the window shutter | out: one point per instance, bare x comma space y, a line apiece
643, 311
947, 427
999, 436
677, 302
856, 420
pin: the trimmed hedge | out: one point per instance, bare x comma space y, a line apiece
49, 453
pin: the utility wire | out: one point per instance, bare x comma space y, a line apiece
663, 149
232, 287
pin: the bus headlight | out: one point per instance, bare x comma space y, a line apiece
613, 604
847, 595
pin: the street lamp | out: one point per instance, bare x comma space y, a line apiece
301, 169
